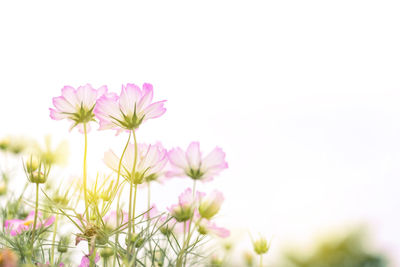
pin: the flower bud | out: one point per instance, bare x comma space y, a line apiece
248, 258
4, 144
209, 206
136, 240
261, 246
216, 261
32, 164
36, 171
63, 244
106, 252
182, 213
3, 188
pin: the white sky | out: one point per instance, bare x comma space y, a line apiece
302, 95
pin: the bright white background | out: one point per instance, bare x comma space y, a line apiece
302, 95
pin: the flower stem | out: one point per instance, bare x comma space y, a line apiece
132, 218
36, 213
54, 240
85, 174
118, 200
261, 260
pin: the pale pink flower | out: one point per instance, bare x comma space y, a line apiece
211, 204
183, 211
209, 227
128, 110
85, 261
151, 160
192, 164
17, 226
110, 220
152, 212
77, 105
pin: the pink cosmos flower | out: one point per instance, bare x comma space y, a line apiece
110, 220
208, 227
210, 205
85, 261
76, 105
192, 164
183, 211
17, 226
150, 163
152, 212
128, 110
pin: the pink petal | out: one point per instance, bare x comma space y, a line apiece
154, 110
62, 105
69, 93
129, 97
213, 163
147, 96
193, 155
177, 157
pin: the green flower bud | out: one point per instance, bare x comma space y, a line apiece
182, 213
106, 252
209, 206
136, 240
261, 246
3, 188
63, 244
248, 258
216, 261
32, 164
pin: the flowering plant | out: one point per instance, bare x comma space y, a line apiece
64, 218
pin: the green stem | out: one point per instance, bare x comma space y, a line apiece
54, 240
132, 219
36, 213
133, 209
148, 201
85, 186
85, 174
118, 200
261, 260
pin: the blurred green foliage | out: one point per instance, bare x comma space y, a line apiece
348, 251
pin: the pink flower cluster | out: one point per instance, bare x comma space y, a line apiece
124, 112
189, 209
144, 163
17, 226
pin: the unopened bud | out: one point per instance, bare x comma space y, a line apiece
261, 246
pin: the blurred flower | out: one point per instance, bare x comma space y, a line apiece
3, 187
149, 165
8, 258
216, 261
52, 155
76, 105
110, 220
210, 205
207, 227
260, 246
248, 258
128, 110
192, 164
17, 226
4, 143
85, 261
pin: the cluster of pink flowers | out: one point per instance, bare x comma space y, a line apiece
17, 226
124, 112
144, 163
